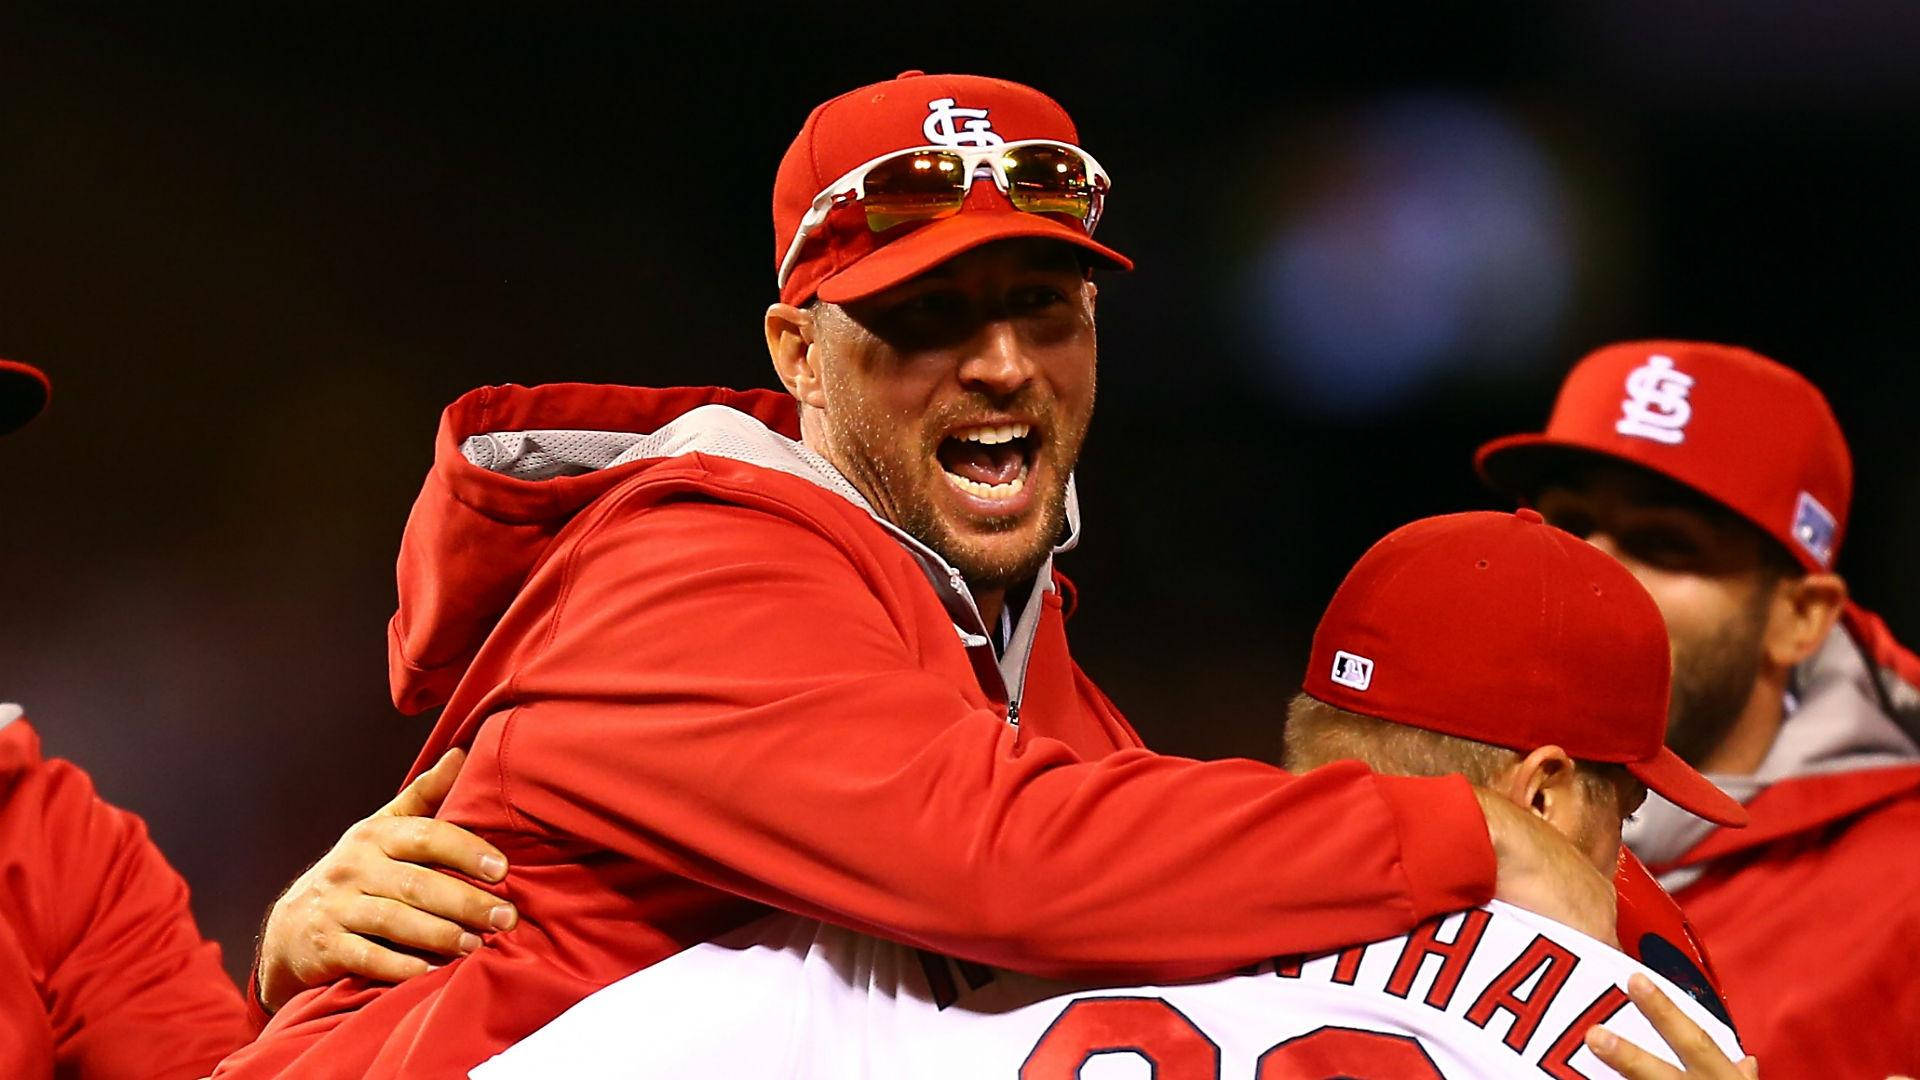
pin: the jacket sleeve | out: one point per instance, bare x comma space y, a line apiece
725, 693
132, 989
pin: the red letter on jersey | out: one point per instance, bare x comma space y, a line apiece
1557, 1062
1425, 942
1502, 994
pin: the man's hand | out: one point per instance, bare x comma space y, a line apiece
1543, 872
374, 888
1698, 1054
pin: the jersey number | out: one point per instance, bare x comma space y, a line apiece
1152, 1029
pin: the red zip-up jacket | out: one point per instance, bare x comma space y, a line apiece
103, 974
708, 681
1813, 910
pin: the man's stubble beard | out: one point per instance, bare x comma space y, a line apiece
1713, 679
895, 478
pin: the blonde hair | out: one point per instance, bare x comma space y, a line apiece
1317, 733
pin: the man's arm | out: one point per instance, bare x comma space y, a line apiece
724, 695
132, 990
377, 889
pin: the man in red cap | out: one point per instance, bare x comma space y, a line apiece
716, 652
1722, 480
103, 972
1485, 645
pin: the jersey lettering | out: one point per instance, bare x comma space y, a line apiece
1557, 1062
1555, 966
1454, 955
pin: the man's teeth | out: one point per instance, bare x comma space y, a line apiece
993, 435
989, 491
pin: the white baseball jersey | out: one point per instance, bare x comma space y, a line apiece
1494, 992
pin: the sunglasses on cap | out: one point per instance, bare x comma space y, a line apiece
926, 183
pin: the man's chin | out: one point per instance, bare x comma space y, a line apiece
996, 554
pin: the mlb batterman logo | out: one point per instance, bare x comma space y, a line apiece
1656, 407
1352, 671
943, 128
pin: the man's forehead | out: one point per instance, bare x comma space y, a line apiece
1636, 486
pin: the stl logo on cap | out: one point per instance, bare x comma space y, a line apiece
1353, 671
941, 129
1656, 407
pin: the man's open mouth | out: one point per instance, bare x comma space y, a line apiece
989, 461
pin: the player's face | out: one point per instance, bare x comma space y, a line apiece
957, 402
1603, 811
1708, 571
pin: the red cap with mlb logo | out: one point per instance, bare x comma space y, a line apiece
1745, 431
1505, 630
843, 260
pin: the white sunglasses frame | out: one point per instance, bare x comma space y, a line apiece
853, 185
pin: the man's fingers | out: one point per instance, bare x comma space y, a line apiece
1695, 1048
437, 894
359, 956
428, 841
1627, 1059
422, 797
396, 922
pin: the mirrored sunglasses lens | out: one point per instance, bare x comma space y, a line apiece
1049, 180
914, 187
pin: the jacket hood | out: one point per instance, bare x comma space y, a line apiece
1851, 741
512, 465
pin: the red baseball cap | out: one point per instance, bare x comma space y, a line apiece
1505, 630
1745, 431
844, 260
24, 391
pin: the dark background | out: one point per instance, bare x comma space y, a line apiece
258, 250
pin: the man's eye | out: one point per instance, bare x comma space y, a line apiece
1037, 298
934, 303
1660, 545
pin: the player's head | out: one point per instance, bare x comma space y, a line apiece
1721, 480
23, 393
1497, 646
933, 243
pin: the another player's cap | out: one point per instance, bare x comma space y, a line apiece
1745, 431
843, 259
23, 393
1505, 630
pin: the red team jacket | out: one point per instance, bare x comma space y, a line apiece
103, 974
1813, 910
704, 683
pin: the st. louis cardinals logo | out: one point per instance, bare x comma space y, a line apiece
944, 125
1656, 407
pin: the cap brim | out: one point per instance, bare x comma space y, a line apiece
1520, 465
23, 393
1680, 785
935, 243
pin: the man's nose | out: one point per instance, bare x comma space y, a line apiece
998, 364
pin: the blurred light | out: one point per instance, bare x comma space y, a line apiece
1436, 239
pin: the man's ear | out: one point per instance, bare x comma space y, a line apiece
790, 341
1804, 611
1543, 783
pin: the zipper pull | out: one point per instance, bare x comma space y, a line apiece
1013, 714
